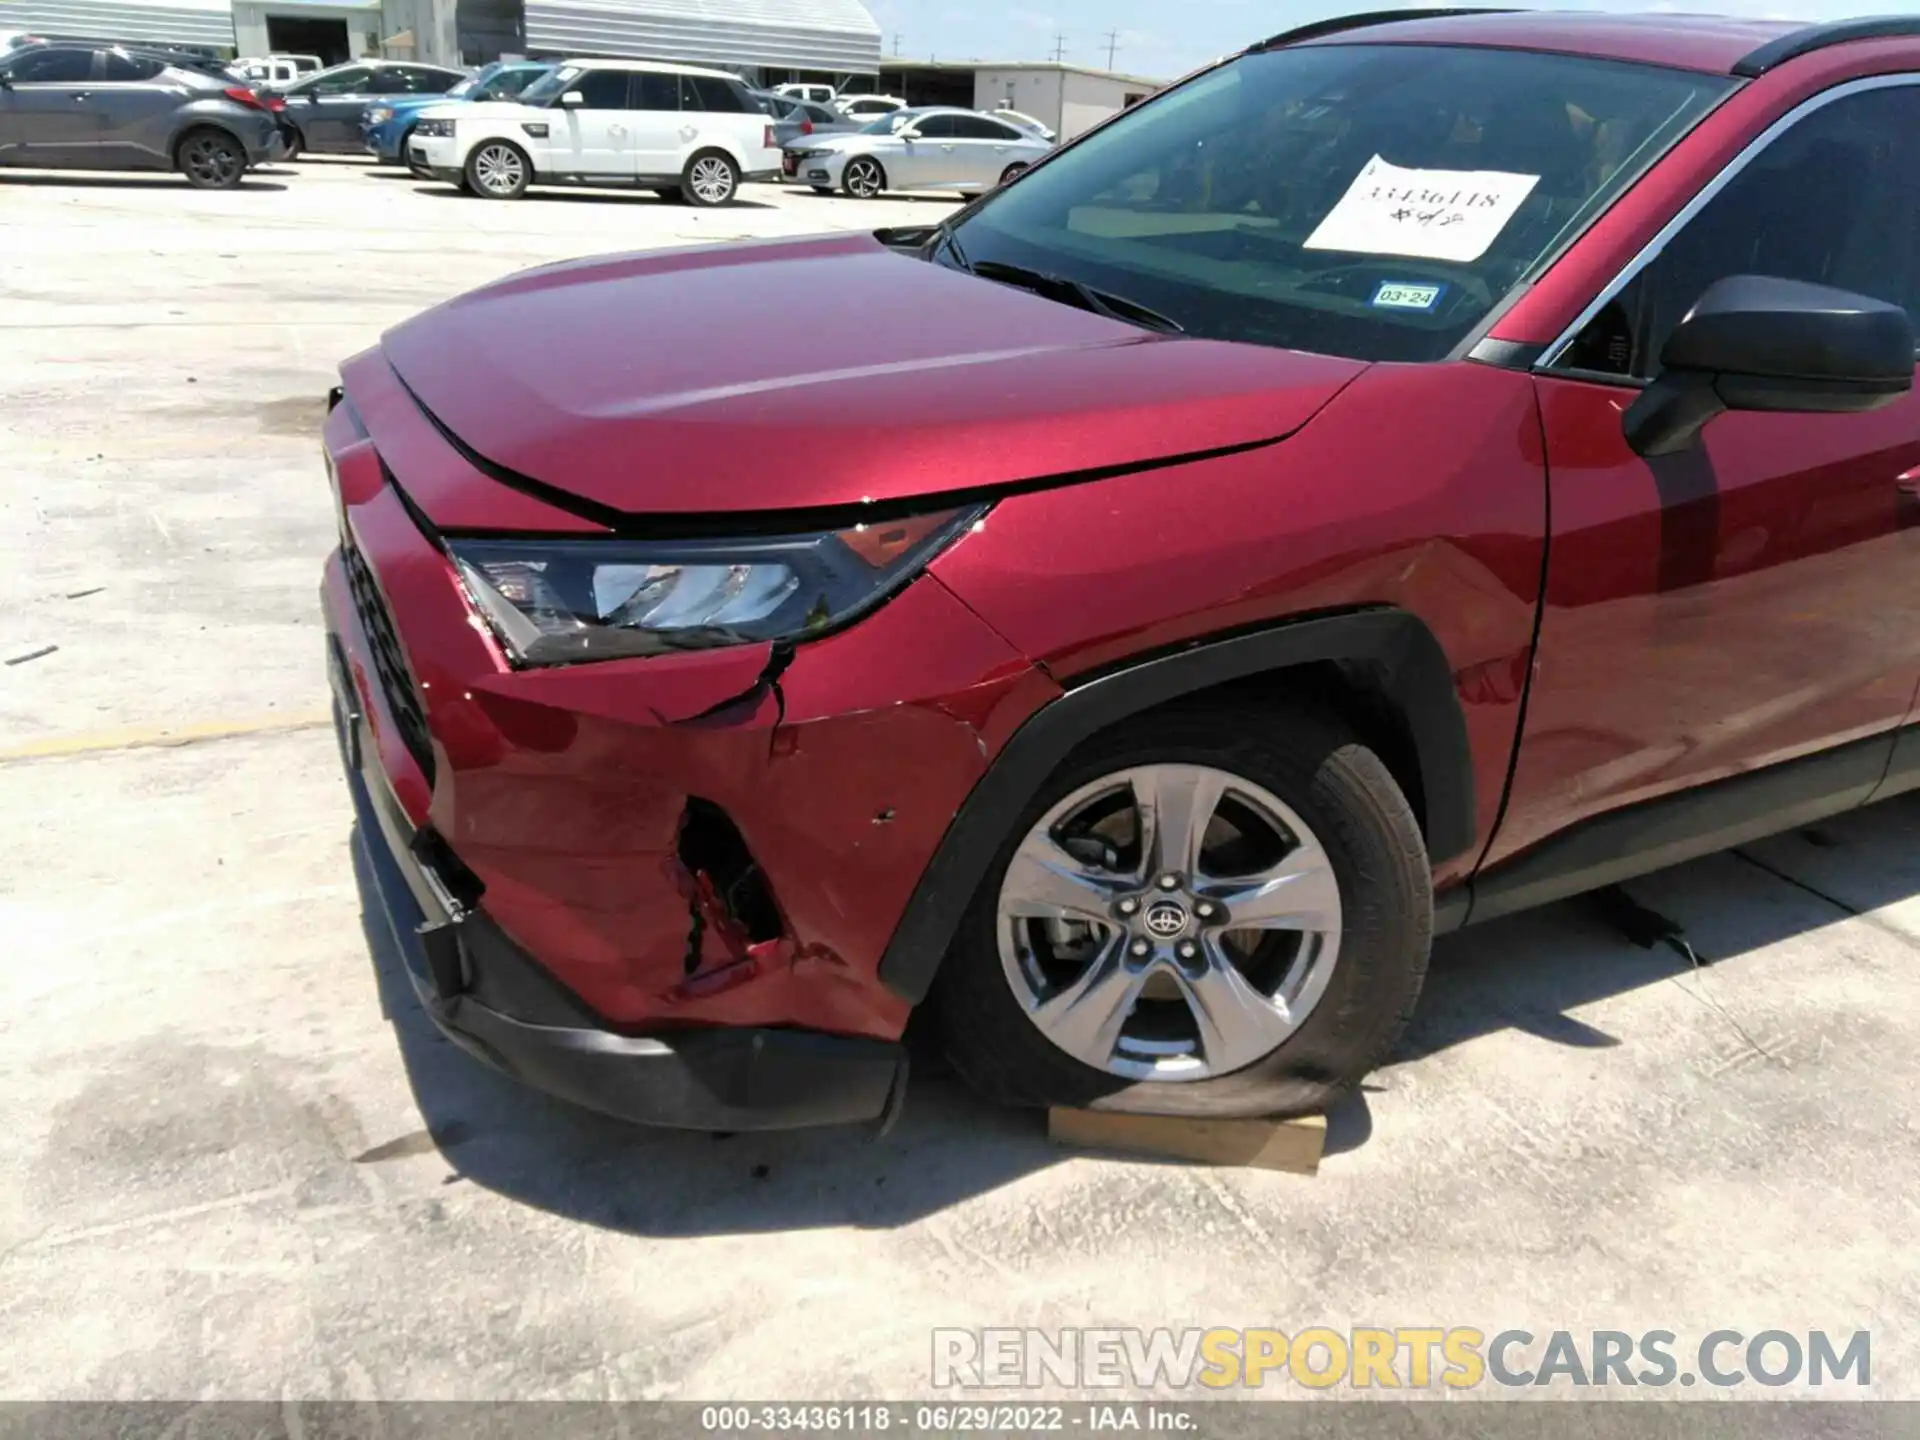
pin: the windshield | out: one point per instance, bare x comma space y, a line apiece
550, 86
1370, 201
508, 84
462, 89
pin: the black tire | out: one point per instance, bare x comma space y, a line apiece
1010, 172
295, 142
210, 158
1311, 761
864, 177
497, 170
710, 179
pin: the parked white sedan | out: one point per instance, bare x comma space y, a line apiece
926, 149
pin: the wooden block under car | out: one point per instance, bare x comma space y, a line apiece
1265, 1144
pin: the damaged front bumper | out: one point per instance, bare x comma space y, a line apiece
495, 1002
660, 887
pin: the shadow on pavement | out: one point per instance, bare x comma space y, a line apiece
132, 180
1522, 973
445, 191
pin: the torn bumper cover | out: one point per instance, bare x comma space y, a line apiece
657, 885
494, 1001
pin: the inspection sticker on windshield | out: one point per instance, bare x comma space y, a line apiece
1406, 295
1432, 214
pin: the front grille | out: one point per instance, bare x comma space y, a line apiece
389, 661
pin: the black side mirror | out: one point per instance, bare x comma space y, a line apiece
1755, 342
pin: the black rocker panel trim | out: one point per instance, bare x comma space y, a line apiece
1418, 679
1657, 833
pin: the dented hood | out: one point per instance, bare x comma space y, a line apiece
822, 372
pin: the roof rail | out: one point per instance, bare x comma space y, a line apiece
1809, 38
1336, 24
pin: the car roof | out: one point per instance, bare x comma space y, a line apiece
662, 67
1712, 43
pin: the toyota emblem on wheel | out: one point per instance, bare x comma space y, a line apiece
1166, 919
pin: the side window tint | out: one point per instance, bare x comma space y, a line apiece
603, 89
978, 127
711, 94
653, 91
938, 127
129, 69
53, 67
1832, 202
341, 82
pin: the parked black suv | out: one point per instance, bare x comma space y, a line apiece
111, 107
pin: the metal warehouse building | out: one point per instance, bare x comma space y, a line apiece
755, 37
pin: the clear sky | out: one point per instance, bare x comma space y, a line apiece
1166, 38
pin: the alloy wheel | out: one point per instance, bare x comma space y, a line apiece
1169, 922
499, 170
212, 160
711, 179
863, 179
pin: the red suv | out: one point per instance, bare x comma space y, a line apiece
1414, 469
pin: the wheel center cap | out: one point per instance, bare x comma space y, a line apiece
1165, 919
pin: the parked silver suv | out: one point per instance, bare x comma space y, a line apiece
108, 107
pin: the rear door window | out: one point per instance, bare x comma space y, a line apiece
131, 69
351, 81
711, 94
653, 91
979, 127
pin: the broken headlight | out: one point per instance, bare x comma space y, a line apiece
556, 602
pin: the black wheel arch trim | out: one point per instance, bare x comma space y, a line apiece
1417, 677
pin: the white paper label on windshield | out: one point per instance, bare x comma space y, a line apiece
1434, 214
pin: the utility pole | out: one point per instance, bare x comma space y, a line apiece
1059, 48
896, 42
1113, 44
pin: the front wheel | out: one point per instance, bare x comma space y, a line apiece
211, 159
498, 170
863, 178
710, 178
1011, 172
1206, 912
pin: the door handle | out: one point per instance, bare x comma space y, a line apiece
82, 95
618, 132
947, 148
